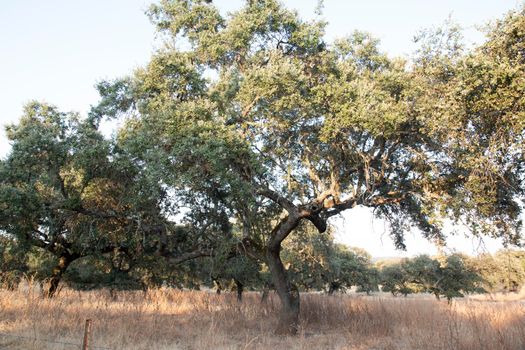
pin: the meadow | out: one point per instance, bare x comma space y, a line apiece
174, 319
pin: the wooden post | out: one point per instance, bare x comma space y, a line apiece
87, 335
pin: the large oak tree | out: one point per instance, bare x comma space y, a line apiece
265, 122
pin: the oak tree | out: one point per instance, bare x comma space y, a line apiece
267, 124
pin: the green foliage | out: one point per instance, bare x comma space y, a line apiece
477, 104
260, 122
451, 276
316, 262
342, 122
351, 267
307, 255
239, 269
503, 272
20, 262
12, 263
457, 277
66, 190
394, 279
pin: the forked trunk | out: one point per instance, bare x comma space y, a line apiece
288, 294
58, 271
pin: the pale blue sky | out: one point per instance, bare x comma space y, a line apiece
56, 50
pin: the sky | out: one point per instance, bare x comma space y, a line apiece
57, 50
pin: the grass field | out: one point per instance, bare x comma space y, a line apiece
172, 319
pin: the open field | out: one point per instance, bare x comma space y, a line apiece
173, 319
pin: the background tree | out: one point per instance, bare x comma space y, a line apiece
423, 273
503, 272
457, 278
350, 267
13, 264
307, 256
395, 279
236, 272
67, 190
450, 277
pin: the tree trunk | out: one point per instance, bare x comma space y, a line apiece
11, 282
113, 294
288, 294
334, 286
58, 271
218, 286
265, 293
240, 288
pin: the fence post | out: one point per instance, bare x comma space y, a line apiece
87, 335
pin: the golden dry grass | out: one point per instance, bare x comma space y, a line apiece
173, 319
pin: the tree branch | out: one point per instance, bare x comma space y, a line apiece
187, 256
336, 209
277, 198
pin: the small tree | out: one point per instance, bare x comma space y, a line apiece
457, 278
394, 279
350, 267
451, 278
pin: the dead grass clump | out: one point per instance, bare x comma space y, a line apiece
174, 319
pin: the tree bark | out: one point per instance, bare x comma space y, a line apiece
240, 288
288, 294
334, 286
58, 271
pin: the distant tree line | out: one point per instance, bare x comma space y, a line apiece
315, 262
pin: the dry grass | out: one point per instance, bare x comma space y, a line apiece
519, 296
172, 319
